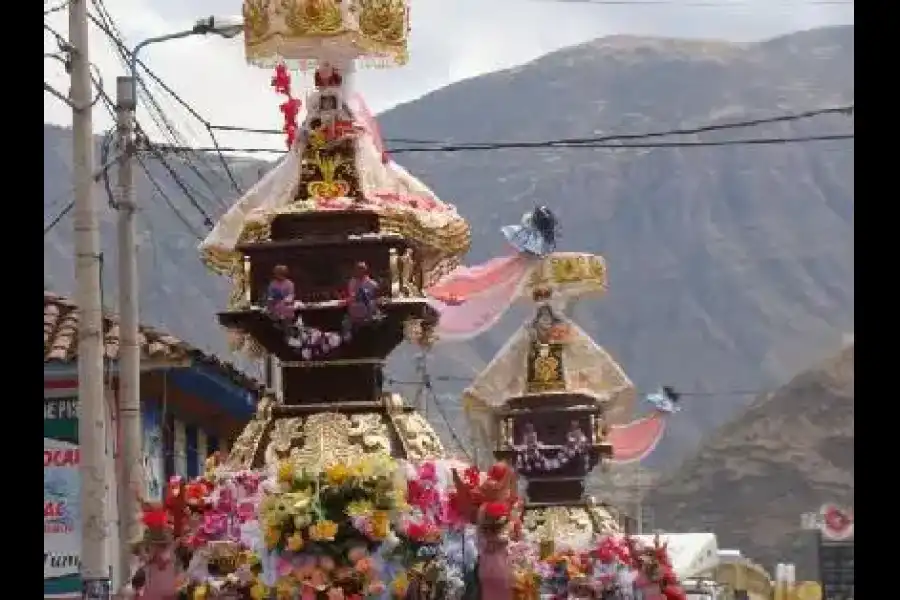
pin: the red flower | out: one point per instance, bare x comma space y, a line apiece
416, 531
498, 471
281, 81
414, 491
155, 518
471, 477
496, 510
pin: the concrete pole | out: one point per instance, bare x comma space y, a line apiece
131, 481
92, 433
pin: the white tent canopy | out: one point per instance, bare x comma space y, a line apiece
691, 553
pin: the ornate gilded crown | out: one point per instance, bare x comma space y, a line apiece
541, 293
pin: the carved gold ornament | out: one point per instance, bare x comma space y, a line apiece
567, 522
244, 449
567, 270
383, 21
312, 17
302, 32
323, 439
419, 440
546, 368
256, 18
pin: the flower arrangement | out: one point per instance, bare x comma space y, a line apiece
616, 568
377, 529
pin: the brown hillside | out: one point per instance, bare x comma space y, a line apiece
790, 452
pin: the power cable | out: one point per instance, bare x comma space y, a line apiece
110, 107
108, 27
845, 110
680, 394
68, 208
156, 112
54, 9
425, 384
685, 144
551, 144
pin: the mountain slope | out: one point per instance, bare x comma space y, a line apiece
789, 453
730, 267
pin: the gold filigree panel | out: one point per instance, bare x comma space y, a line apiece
420, 442
245, 447
569, 274
570, 524
323, 439
302, 30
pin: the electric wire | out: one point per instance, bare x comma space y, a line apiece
425, 383
53, 223
681, 394
160, 191
110, 107
189, 194
107, 26
844, 109
157, 113
550, 144
54, 9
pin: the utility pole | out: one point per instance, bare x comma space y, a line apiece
92, 435
131, 473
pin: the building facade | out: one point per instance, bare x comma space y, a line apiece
192, 404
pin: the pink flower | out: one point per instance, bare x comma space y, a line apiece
246, 512
225, 502
214, 524
427, 472
284, 568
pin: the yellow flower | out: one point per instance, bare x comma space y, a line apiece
274, 510
399, 585
323, 531
284, 589
285, 471
273, 536
259, 591
362, 508
295, 542
337, 474
381, 523
200, 592
297, 502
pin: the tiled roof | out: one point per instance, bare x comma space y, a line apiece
61, 342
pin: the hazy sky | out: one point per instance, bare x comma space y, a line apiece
450, 40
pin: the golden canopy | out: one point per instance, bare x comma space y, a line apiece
298, 32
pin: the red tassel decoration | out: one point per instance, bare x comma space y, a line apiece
290, 108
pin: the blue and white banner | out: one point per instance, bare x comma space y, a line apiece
151, 424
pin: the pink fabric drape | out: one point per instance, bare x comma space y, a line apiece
636, 440
472, 299
364, 115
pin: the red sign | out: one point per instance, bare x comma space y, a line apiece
837, 523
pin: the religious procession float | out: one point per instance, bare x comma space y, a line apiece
339, 490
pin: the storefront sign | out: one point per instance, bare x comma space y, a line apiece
62, 502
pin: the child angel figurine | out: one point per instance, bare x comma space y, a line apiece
493, 506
